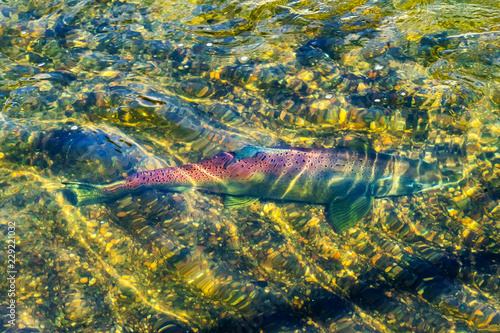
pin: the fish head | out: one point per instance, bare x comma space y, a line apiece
412, 176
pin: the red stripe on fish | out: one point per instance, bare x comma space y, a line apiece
202, 172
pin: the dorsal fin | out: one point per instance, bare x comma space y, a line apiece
246, 152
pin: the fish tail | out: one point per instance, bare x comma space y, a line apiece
84, 194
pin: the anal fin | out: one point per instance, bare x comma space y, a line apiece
180, 189
232, 201
345, 214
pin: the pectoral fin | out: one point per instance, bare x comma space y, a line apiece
230, 201
345, 214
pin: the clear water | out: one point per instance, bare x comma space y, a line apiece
95, 91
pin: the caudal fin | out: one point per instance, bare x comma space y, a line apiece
85, 194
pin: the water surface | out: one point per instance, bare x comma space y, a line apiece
93, 91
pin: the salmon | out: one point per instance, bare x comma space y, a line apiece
345, 181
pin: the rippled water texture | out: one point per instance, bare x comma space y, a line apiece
93, 91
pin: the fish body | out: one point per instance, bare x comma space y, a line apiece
344, 180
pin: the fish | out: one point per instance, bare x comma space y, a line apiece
346, 181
